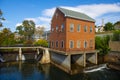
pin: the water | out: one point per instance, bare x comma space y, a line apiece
31, 70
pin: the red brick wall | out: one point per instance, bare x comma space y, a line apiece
67, 35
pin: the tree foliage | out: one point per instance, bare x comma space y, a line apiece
6, 37
116, 35
26, 29
108, 26
41, 42
1, 18
102, 44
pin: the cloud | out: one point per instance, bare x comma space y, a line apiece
49, 12
96, 11
93, 10
18, 24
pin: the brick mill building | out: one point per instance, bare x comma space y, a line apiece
72, 31
72, 40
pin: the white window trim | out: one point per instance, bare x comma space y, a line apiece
79, 28
85, 28
86, 45
79, 44
71, 25
70, 44
91, 29
57, 44
63, 44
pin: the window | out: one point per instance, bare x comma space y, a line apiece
62, 27
78, 28
85, 28
78, 44
85, 44
56, 44
62, 44
56, 15
56, 28
91, 43
71, 44
90, 29
52, 44
71, 27
52, 29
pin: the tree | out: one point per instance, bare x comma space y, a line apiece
116, 35
109, 26
7, 37
102, 44
39, 31
1, 18
26, 29
41, 42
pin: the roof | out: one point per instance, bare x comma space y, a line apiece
74, 14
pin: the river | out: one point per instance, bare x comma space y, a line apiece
31, 70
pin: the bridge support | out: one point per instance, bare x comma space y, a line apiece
79, 59
93, 58
20, 54
45, 57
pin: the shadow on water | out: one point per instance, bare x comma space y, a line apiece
31, 70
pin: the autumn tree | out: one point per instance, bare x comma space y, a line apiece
6, 37
39, 31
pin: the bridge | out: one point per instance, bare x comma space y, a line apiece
61, 59
45, 58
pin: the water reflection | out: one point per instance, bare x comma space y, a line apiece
31, 70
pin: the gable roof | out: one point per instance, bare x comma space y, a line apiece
74, 14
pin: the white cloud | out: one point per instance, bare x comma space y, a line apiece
96, 11
48, 12
18, 24
93, 10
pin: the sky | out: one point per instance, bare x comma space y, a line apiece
41, 11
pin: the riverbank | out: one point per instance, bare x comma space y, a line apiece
113, 60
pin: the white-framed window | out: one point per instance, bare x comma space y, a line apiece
56, 44
78, 43
91, 43
62, 44
78, 28
52, 29
85, 28
85, 44
71, 44
91, 29
62, 27
71, 27
56, 15
56, 28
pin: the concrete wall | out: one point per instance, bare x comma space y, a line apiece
114, 45
64, 61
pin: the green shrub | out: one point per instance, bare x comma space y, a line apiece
41, 42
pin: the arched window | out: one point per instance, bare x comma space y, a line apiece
85, 44
91, 29
91, 43
56, 44
85, 28
52, 44
62, 44
71, 27
78, 28
71, 44
78, 43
